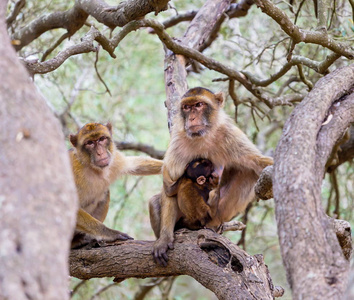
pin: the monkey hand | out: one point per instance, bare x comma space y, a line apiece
214, 180
159, 250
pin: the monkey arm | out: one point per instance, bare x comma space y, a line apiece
170, 186
169, 217
137, 165
258, 162
244, 153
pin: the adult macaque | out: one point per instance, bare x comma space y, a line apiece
196, 195
96, 164
202, 129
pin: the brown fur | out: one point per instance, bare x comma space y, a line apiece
222, 143
93, 181
195, 200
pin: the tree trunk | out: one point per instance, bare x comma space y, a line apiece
37, 191
197, 33
315, 265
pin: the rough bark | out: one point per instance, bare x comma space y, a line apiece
314, 262
345, 152
37, 192
208, 257
263, 187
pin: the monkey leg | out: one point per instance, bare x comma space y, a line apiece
169, 216
86, 224
101, 210
83, 241
155, 213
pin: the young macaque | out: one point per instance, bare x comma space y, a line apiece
196, 196
96, 164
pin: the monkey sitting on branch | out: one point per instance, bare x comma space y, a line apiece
96, 163
202, 129
197, 196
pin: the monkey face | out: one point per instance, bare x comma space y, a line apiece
98, 150
95, 142
198, 110
196, 117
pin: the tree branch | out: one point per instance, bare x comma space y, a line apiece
73, 19
85, 46
210, 258
151, 151
299, 35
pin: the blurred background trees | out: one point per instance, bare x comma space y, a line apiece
129, 91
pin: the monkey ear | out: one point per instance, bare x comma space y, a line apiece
109, 126
219, 97
73, 140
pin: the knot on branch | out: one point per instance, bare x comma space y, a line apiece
344, 236
264, 185
220, 255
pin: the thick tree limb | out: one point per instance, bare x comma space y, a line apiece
309, 246
71, 20
204, 255
236, 10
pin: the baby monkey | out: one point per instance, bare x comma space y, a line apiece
197, 195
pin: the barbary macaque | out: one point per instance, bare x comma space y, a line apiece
196, 195
201, 129
96, 163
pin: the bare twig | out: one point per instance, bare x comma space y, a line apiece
76, 288
100, 291
299, 35
99, 75
17, 9
56, 44
151, 151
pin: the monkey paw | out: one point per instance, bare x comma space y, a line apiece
159, 251
112, 237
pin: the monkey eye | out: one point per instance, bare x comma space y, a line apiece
199, 104
102, 138
89, 143
186, 107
